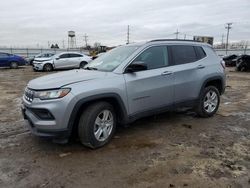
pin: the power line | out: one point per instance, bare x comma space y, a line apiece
228, 27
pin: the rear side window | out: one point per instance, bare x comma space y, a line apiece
200, 52
64, 56
75, 55
182, 54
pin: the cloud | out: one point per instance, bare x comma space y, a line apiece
28, 23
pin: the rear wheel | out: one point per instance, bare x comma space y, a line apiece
13, 65
97, 125
47, 67
208, 103
82, 64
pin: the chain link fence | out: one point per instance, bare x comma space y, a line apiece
31, 52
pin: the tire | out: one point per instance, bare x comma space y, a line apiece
13, 65
47, 67
91, 134
82, 64
207, 107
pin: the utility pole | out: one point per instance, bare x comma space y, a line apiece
86, 39
228, 27
185, 36
128, 35
177, 33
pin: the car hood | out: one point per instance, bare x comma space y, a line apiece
65, 78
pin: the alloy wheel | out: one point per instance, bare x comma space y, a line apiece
211, 101
103, 125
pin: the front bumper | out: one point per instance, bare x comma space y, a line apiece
59, 133
37, 66
54, 125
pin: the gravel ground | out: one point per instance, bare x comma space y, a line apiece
168, 150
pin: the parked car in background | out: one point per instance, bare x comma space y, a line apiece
230, 60
243, 63
11, 60
125, 84
41, 57
65, 60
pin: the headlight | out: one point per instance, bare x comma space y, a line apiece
52, 94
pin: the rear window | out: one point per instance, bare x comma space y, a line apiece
200, 52
182, 54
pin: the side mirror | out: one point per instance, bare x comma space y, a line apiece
136, 66
57, 58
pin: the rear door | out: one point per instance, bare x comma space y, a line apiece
75, 60
153, 88
188, 71
4, 59
62, 61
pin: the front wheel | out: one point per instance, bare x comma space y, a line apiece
47, 67
13, 65
97, 125
209, 102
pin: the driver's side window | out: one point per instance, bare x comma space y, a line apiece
154, 57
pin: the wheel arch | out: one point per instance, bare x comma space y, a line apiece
112, 98
216, 81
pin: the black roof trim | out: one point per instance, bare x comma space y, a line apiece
182, 40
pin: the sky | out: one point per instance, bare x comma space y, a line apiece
29, 23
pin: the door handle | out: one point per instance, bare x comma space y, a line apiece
200, 67
166, 73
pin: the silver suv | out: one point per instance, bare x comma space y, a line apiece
126, 83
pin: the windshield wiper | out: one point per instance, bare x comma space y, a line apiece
90, 68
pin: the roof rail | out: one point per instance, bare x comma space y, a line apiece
158, 40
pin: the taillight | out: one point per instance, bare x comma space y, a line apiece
223, 64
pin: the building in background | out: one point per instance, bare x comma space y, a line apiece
206, 39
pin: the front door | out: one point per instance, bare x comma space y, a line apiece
153, 88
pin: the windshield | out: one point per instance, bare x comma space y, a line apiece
45, 55
112, 59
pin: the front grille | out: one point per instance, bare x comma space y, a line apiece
29, 94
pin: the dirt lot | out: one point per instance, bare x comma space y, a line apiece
169, 150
